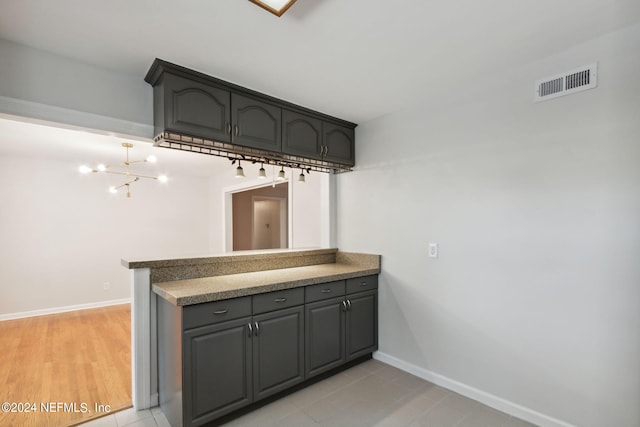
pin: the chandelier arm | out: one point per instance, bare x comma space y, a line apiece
131, 174
126, 183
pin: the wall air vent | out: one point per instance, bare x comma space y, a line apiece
573, 81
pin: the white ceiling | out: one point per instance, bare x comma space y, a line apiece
354, 59
25, 138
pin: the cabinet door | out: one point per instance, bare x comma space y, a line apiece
324, 336
278, 351
301, 135
362, 324
339, 143
197, 109
217, 370
256, 124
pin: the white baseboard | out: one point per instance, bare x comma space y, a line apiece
54, 310
488, 399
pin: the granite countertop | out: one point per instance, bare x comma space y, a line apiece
190, 260
206, 289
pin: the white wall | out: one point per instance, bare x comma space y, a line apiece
63, 235
45, 86
535, 297
305, 201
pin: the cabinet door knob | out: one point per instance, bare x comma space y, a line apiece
250, 329
225, 311
280, 300
257, 328
348, 305
325, 291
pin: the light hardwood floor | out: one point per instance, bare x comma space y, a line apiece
62, 362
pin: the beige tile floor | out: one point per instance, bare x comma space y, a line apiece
369, 394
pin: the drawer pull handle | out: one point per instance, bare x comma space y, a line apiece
280, 299
363, 284
325, 291
225, 311
250, 329
344, 306
348, 305
257, 328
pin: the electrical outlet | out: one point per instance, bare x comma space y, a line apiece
106, 286
433, 250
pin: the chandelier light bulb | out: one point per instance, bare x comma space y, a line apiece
124, 170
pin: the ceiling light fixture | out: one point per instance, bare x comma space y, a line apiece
301, 177
134, 177
277, 7
281, 175
262, 174
239, 171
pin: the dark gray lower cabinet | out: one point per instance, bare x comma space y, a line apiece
340, 329
325, 335
217, 382
278, 351
361, 324
217, 357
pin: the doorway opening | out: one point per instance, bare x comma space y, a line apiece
261, 218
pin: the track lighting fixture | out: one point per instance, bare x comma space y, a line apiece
262, 174
281, 176
301, 177
239, 171
134, 177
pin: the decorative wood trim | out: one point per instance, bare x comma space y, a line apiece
276, 12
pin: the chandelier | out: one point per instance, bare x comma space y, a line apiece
130, 177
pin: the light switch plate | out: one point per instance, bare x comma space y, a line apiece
433, 250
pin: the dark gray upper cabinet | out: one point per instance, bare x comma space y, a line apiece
339, 143
194, 104
194, 108
301, 135
255, 123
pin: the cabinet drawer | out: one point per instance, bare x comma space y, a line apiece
214, 312
324, 291
361, 284
263, 303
